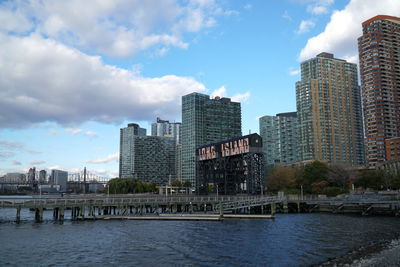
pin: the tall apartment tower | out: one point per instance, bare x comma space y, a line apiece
379, 52
329, 111
170, 129
127, 149
166, 128
280, 138
206, 121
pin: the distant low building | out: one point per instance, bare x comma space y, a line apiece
15, 177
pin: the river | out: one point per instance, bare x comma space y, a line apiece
287, 240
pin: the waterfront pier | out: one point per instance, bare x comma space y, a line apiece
189, 207
92, 207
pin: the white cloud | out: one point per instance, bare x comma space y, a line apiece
114, 28
248, 6
5, 144
33, 151
294, 72
305, 26
81, 87
319, 7
7, 154
56, 167
73, 131
91, 133
37, 162
110, 158
16, 163
244, 98
286, 15
341, 33
317, 10
222, 92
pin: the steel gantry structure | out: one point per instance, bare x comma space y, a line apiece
231, 167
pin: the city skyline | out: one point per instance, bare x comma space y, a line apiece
70, 83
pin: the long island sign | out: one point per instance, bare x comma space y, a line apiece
231, 147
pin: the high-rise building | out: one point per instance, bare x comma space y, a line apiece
42, 176
166, 128
154, 159
170, 129
392, 147
280, 138
31, 175
329, 111
379, 52
60, 178
206, 121
127, 149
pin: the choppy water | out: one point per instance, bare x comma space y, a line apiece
288, 240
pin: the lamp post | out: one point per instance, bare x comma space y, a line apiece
301, 188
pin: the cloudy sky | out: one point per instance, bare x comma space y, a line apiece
72, 73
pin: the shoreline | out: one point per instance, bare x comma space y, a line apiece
382, 252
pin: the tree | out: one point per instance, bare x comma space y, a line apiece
313, 172
338, 176
187, 184
319, 187
281, 178
373, 179
176, 183
129, 185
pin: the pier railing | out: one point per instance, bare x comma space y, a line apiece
128, 200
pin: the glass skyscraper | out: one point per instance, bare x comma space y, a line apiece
127, 149
206, 121
329, 111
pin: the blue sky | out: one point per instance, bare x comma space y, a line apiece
72, 73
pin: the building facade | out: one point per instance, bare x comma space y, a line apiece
127, 149
280, 138
42, 176
31, 175
380, 83
154, 159
60, 178
392, 148
329, 111
206, 121
165, 128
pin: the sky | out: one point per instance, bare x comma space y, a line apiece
72, 73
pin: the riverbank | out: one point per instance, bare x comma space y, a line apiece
375, 253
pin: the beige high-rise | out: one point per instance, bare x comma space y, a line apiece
329, 111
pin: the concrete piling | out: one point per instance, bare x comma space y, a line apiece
18, 216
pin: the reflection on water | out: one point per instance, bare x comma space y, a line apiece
289, 240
